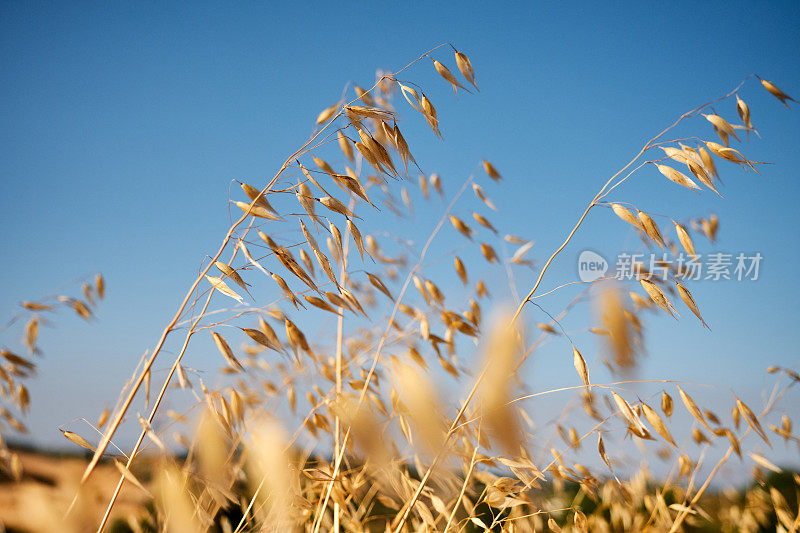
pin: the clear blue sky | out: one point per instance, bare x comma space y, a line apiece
122, 125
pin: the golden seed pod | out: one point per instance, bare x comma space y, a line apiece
666, 404
447, 75
721, 124
686, 241
378, 284
483, 221
657, 295
777, 93
651, 229
460, 270
222, 287
686, 296
436, 182
708, 162
658, 424
744, 112
465, 67
226, 351
335, 205
327, 113
677, 177
626, 215
488, 253
77, 439
345, 145
462, 228
751, 419
231, 273
580, 366
491, 171
480, 193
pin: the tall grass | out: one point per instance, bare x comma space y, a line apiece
361, 394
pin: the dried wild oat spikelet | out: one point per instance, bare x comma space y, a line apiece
580, 366
320, 303
257, 211
483, 222
629, 415
256, 196
447, 75
77, 439
480, 193
222, 287
744, 113
430, 114
335, 205
465, 67
639, 301
489, 253
547, 328
686, 296
677, 177
409, 93
685, 240
225, 350
436, 183
691, 406
103, 418
501, 356
231, 273
521, 252
765, 463
730, 154
698, 170
657, 423
345, 145
721, 124
752, 420
32, 333
356, 234
462, 228
306, 259
699, 437
621, 332
420, 400
100, 285
480, 289
36, 306
371, 112
626, 215
666, 404
491, 171
651, 229
708, 162
378, 284
327, 113
460, 269
658, 296
776, 92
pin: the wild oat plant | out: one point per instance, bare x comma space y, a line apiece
359, 394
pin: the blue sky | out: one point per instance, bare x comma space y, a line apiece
123, 125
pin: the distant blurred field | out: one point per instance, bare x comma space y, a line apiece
50, 481
48, 485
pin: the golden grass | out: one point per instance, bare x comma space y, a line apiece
351, 431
